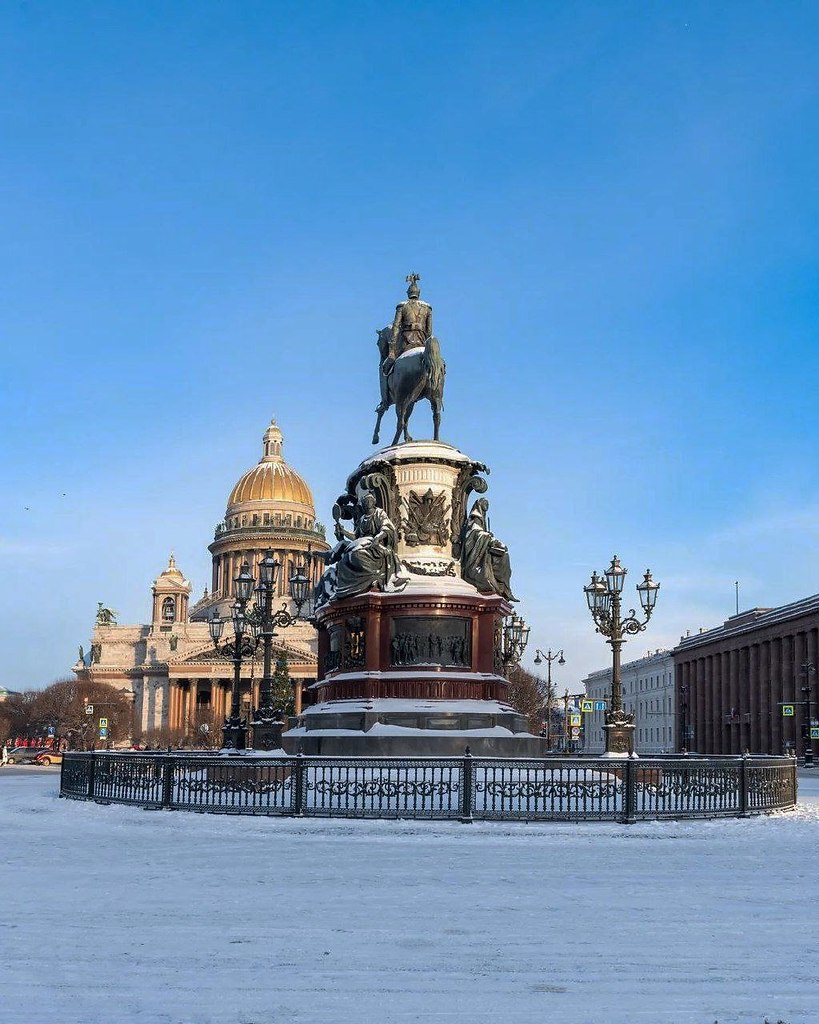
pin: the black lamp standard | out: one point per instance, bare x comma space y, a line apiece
604, 597
548, 657
253, 626
514, 638
243, 645
267, 724
808, 669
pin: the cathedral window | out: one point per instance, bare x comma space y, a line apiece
168, 610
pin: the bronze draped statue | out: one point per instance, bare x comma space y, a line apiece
364, 558
484, 559
410, 364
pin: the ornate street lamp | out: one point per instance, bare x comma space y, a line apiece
807, 669
252, 626
514, 638
548, 657
242, 646
267, 724
604, 595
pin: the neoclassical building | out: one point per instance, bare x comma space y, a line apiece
177, 678
648, 693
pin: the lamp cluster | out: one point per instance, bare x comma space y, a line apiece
604, 596
515, 637
254, 625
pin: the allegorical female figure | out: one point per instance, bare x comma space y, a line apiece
484, 559
363, 559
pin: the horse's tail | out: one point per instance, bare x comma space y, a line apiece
435, 366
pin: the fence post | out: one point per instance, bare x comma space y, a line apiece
630, 807
91, 766
743, 787
298, 786
466, 794
167, 781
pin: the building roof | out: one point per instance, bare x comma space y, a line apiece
752, 620
272, 479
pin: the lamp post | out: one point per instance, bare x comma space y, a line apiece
242, 646
252, 626
808, 669
548, 657
267, 724
604, 597
514, 637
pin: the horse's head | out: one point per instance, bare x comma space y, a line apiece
383, 340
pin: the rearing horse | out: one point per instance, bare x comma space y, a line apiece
417, 373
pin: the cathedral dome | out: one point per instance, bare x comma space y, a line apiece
272, 480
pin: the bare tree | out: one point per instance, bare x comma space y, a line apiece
63, 705
528, 694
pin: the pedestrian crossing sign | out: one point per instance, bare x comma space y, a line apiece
587, 707
574, 720
787, 710
814, 732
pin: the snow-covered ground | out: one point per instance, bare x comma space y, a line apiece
115, 915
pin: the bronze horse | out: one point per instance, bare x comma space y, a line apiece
418, 373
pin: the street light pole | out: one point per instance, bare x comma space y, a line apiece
604, 598
808, 669
243, 645
267, 723
514, 638
548, 657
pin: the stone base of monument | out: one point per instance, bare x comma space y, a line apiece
388, 727
413, 665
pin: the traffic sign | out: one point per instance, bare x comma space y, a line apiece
89, 709
574, 720
103, 723
103, 733
587, 706
51, 730
814, 732
599, 705
575, 732
787, 710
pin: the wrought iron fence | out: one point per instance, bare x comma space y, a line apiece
458, 788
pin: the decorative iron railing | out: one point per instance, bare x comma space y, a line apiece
459, 788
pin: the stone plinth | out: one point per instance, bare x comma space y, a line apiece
415, 668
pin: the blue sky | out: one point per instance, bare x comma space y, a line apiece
209, 208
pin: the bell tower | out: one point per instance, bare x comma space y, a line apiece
171, 593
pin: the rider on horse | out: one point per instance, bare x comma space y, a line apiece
411, 327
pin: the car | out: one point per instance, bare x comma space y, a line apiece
49, 757
27, 755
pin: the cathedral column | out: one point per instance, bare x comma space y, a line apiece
297, 697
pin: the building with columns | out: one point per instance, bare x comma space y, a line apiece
178, 680
733, 680
648, 693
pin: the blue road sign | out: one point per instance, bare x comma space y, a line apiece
599, 705
103, 734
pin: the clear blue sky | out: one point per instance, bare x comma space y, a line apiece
208, 208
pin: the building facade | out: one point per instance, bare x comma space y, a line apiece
733, 681
179, 682
648, 693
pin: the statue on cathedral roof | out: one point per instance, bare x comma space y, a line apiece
410, 363
105, 616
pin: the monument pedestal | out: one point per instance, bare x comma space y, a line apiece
415, 668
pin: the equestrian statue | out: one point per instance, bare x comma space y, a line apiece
410, 365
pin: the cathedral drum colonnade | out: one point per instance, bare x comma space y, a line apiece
178, 680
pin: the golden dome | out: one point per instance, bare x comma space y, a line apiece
272, 479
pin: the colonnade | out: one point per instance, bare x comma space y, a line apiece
734, 696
